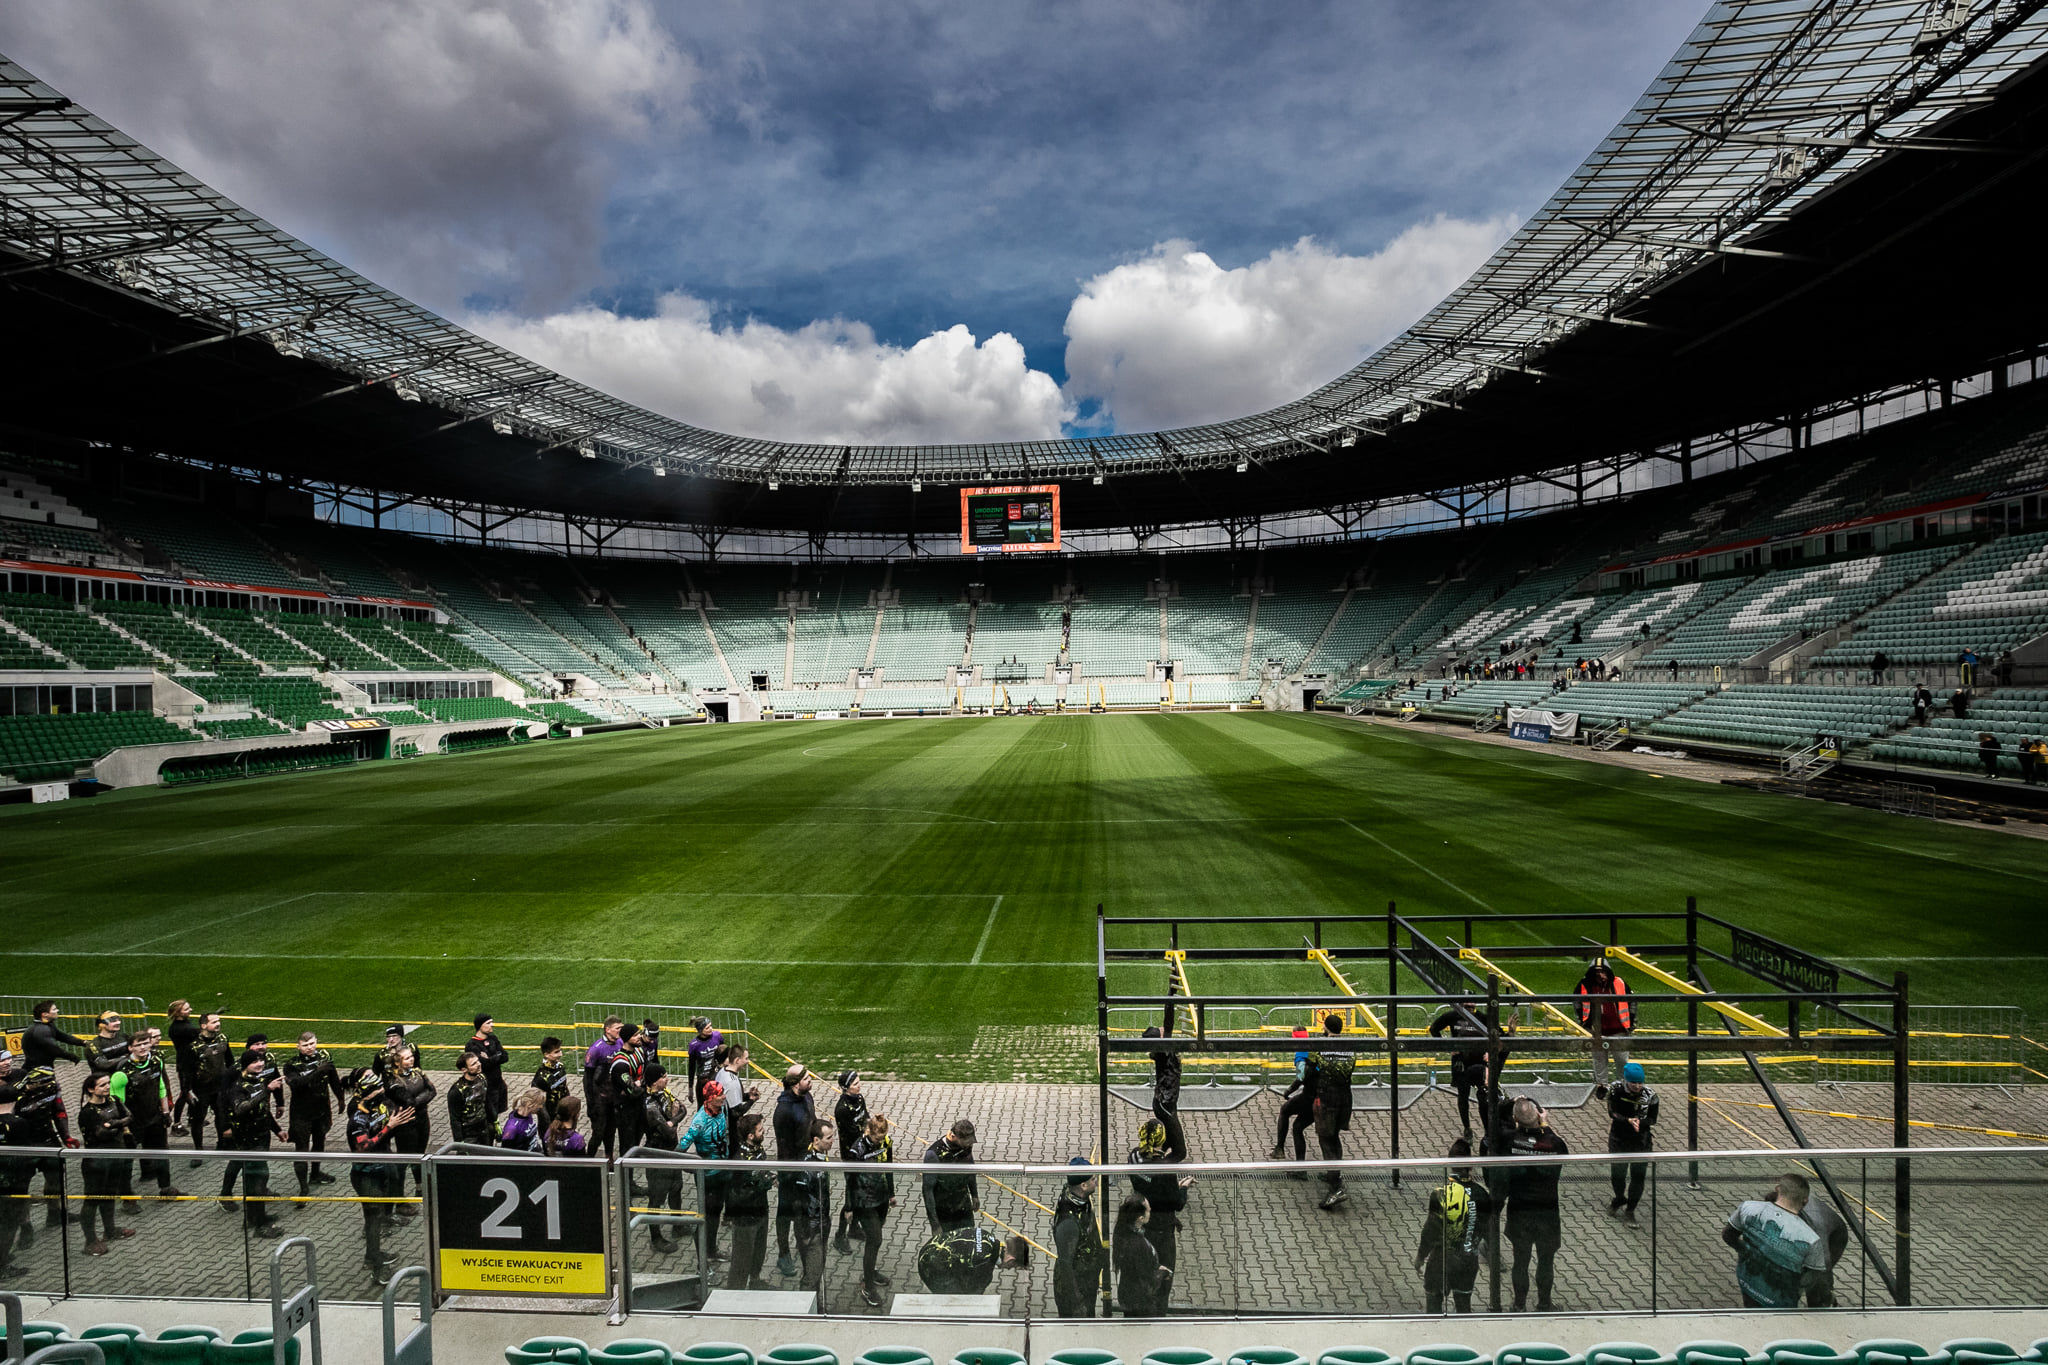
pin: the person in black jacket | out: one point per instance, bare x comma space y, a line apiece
795, 1112
44, 1122
15, 1174
1166, 1090
1078, 1247
143, 1084
551, 1078
257, 1046
103, 1121
469, 1104
183, 1033
951, 1201
411, 1089
252, 1121
484, 1043
1455, 1236
871, 1193
660, 1116
746, 1207
1631, 1115
373, 1124
1328, 1078
213, 1071
1533, 1222
108, 1047
1469, 1069
850, 1120
44, 1043
810, 1206
1142, 1284
316, 1092
1297, 1109
1165, 1194
626, 1084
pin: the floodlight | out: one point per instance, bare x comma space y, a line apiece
1412, 413
502, 425
285, 343
774, 484
586, 450
1347, 438
661, 471
1243, 464
406, 390
917, 485
1097, 480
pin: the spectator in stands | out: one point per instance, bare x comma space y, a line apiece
1166, 1086
2004, 669
1878, 664
1959, 703
1533, 1222
1454, 1236
1079, 1253
850, 1120
1987, 752
1631, 1119
213, 1068
1674, 668
625, 1083
795, 1113
551, 1078
15, 1174
490, 1051
951, 1201
2033, 758
1605, 1012
109, 1046
1966, 667
810, 1205
44, 1043
731, 1070
252, 1122
1779, 1256
1142, 1284
1922, 700
1329, 1080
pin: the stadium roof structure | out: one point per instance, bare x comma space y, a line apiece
1808, 202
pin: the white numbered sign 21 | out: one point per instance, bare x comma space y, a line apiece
548, 1194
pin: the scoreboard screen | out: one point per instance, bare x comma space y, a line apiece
1006, 520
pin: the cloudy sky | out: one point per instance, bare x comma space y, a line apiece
889, 221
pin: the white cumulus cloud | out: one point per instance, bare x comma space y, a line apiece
1172, 338
826, 381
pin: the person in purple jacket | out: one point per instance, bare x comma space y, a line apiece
707, 1041
595, 1064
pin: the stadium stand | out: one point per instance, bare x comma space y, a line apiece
1991, 600
907, 699
1603, 703
562, 713
1776, 717
2014, 715
164, 631
75, 634
252, 727
292, 702
474, 708
254, 637
45, 748
1207, 620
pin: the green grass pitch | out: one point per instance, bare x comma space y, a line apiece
918, 896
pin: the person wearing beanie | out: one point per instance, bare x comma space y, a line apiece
795, 1113
270, 1079
1077, 1242
394, 1039
626, 1087
484, 1043
703, 1043
1631, 1117
850, 1119
661, 1116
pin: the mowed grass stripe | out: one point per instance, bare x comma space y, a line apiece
841, 894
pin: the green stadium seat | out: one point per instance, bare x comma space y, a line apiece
1354, 1355
1627, 1353
801, 1353
1536, 1353
115, 1340
1799, 1350
1979, 1351
1084, 1355
541, 1350
715, 1353
1179, 1355
251, 1347
893, 1355
169, 1350
638, 1350
1896, 1351
1710, 1352
1447, 1353
988, 1355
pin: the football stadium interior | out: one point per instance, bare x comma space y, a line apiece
1646, 651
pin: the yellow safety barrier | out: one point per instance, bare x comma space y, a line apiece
1875, 1118
1372, 1021
1571, 1025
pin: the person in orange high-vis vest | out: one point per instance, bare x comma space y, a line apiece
1605, 1012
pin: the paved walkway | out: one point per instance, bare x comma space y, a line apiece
1256, 1243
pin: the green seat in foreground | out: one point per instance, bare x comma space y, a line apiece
1536, 1353
1896, 1351
1627, 1353
538, 1350
1266, 1355
801, 1353
1713, 1352
1084, 1355
715, 1353
169, 1350
1447, 1354
1354, 1355
115, 1340
893, 1355
1179, 1355
988, 1355
639, 1350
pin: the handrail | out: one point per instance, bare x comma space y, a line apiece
418, 1346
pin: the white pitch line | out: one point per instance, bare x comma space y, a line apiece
554, 960
1419, 867
986, 929
215, 924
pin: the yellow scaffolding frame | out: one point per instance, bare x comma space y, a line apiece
1177, 963
1372, 1021
1656, 973
1571, 1025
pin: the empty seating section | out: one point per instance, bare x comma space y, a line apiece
1117, 637
45, 748
810, 699
562, 713
165, 631
591, 630
1475, 698
474, 708
1123, 694
293, 702
403, 715
1206, 624
394, 645
435, 640
333, 646
1789, 602
344, 556
1028, 632
203, 543
907, 699
1617, 620
39, 540
1289, 624
1218, 691
2014, 715
16, 652
77, 635
1780, 717
921, 640
1989, 601
830, 642
660, 706
252, 727
248, 632
1603, 703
